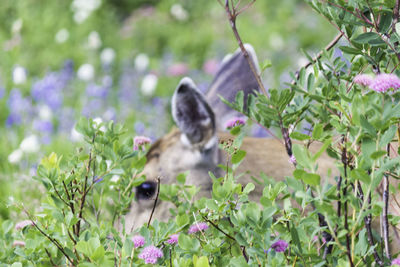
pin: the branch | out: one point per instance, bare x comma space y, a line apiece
318, 56
155, 201
53, 240
219, 229
368, 227
232, 15
385, 197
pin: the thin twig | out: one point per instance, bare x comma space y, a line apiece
232, 15
155, 202
385, 197
395, 16
219, 229
50, 257
53, 240
368, 226
319, 55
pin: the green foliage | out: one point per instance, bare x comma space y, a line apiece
294, 222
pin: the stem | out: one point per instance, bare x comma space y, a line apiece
368, 227
385, 197
346, 224
232, 15
319, 55
53, 240
155, 201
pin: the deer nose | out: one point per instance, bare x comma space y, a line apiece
146, 190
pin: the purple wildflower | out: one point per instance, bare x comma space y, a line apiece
292, 159
280, 246
22, 224
173, 239
363, 79
197, 227
384, 82
236, 121
396, 262
140, 141
138, 241
150, 254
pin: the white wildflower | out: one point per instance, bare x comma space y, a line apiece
141, 62
15, 156
178, 12
83, 8
107, 56
19, 75
76, 136
97, 121
45, 113
30, 144
17, 26
115, 178
62, 36
94, 40
149, 84
86, 72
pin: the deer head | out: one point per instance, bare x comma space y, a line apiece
193, 146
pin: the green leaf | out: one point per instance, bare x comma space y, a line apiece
266, 64
249, 187
187, 243
295, 237
182, 220
308, 178
367, 126
388, 136
238, 262
299, 136
181, 178
317, 131
350, 50
366, 37
378, 154
202, 262
238, 156
360, 174
326, 144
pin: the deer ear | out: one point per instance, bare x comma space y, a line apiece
233, 76
192, 114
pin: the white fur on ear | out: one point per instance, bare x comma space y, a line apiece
186, 81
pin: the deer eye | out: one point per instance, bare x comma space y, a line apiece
146, 190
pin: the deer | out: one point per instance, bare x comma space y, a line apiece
194, 145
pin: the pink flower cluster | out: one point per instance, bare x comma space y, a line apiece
140, 141
173, 239
236, 121
138, 241
381, 83
150, 254
22, 224
396, 262
197, 227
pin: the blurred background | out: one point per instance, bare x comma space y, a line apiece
121, 60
